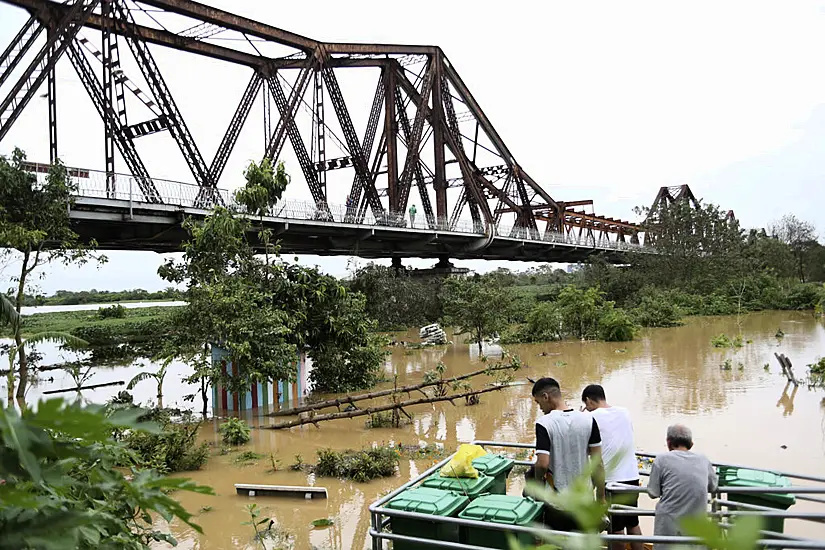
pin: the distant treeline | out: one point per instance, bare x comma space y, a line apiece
706, 265
93, 296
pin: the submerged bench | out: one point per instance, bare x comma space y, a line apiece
280, 491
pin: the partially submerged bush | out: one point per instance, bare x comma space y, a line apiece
173, 449
616, 326
115, 311
816, 373
657, 309
234, 431
725, 341
360, 466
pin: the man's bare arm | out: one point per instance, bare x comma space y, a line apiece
542, 465
598, 475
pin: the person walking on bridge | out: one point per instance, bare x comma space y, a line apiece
619, 455
681, 479
413, 211
566, 440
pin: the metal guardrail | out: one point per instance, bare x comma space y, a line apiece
721, 509
95, 184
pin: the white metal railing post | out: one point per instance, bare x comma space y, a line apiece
130, 197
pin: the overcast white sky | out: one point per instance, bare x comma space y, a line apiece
604, 100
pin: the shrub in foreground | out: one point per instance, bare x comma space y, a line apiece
360, 466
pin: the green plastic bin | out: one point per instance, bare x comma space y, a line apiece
505, 509
495, 466
472, 488
741, 477
426, 500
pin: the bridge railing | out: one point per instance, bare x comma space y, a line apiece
95, 184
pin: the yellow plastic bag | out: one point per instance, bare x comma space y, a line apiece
461, 464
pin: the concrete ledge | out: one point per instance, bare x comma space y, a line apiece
280, 491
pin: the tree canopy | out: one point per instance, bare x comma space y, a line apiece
263, 313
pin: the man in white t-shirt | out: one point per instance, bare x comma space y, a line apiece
619, 455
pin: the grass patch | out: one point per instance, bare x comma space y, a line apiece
67, 321
360, 466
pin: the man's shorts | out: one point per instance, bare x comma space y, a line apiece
618, 523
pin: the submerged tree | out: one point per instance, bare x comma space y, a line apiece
479, 306
263, 313
35, 228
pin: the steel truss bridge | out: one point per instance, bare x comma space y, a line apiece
425, 135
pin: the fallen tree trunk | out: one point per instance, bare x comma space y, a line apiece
39, 369
314, 419
351, 399
81, 388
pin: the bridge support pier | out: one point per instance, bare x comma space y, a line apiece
397, 267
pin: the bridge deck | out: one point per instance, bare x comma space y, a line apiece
120, 219
120, 224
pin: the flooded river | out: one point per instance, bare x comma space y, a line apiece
744, 415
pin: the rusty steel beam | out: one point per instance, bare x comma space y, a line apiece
566, 204
379, 49
47, 11
227, 20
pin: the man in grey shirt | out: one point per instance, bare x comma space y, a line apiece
566, 441
682, 479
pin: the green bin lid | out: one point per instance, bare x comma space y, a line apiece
502, 509
425, 500
493, 465
741, 477
463, 486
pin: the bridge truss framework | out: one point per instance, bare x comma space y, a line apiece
425, 133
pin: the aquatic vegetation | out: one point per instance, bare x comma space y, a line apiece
275, 464
360, 466
235, 431
725, 341
248, 456
299, 464
323, 522
816, 373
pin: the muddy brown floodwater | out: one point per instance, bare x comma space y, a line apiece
745, 415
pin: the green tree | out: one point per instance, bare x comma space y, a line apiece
397, 301
262, 313
800, 236
35, 225
264, 188
62, 487
158, 377
698, 247
478, 306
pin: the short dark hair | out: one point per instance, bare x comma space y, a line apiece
544, 384
594, 392
680, 436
